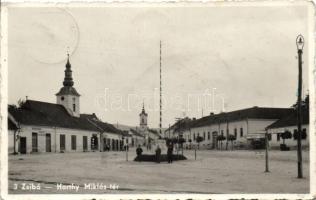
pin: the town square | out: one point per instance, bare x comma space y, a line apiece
160, 99
213, 172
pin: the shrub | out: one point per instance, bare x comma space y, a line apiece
286, 135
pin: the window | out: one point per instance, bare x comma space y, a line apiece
62, 98
227, 132
241, 132
222, 132
85, 143
48, 142
235, 132
73, 142
74, 107
193, 136
278, 137
203, 135
208, 135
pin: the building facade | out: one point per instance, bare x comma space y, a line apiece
247, 126
289, 124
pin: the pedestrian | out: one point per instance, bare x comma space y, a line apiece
169, 153
158, 153
139, 151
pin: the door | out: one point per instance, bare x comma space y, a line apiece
48, 143
34, 142
62, 141
85, 143
73, 142
23, 145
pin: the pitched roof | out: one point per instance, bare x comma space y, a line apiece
102, 126
68, 90
154, 131
136, 133
49, 114
248, 113
291, 120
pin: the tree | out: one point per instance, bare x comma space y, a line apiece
303, 134
305, 103
231, 138
198, 140
286, 135
190, 141
21, 103
221, 138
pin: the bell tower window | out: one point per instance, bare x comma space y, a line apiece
74, 107
62, 98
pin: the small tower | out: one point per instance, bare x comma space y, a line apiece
143, 119
68, 95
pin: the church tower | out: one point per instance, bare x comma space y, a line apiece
143, 119
68, 95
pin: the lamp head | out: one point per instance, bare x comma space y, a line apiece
300, 42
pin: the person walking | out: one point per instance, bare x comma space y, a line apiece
158, 153
139, 151
169, 153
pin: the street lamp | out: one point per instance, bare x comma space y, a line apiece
300, 45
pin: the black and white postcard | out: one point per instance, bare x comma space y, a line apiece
158, 100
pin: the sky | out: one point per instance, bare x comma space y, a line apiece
213, 58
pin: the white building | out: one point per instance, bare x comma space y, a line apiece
289, 123
151, 136
37, 126
247, 125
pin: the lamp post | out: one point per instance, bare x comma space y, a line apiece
300, 45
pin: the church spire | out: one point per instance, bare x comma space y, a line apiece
68, 81
143, 107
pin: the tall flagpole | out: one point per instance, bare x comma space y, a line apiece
160, 122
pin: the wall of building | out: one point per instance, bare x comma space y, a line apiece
240, 128
11, 141
26, 131
274, 143
108, 138
68, 102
